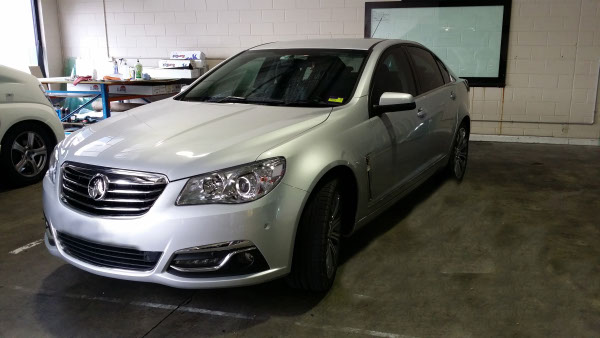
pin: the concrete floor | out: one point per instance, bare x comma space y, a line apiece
512, 251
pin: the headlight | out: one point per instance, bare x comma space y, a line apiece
52, 163
236, 185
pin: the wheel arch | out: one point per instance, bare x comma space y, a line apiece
38, 123
350, 190
349, 187
467, 121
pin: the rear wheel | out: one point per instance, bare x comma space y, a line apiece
457, 164
317, 246
25, 154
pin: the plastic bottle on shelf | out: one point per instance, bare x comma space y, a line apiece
138, 70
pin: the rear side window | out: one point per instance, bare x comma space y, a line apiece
426, 69
444, 71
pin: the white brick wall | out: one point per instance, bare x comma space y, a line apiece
554, 55
554, 47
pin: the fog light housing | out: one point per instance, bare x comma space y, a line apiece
200, 260
220, 259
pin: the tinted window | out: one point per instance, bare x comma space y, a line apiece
444, 71
392, 74
426, 69
283, 77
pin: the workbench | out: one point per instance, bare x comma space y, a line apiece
109, 91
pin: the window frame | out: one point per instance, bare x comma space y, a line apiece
384, 53
443, 69
417, 79
367, 56
37, 31
498, 81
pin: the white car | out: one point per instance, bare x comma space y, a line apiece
29, 128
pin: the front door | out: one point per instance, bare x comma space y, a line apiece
405, 130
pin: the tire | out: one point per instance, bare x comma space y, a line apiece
457, 163
317, 246
26, 150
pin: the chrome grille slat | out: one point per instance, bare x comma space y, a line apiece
79, 172
105, 208
122, 182
73, 182
131, 200
134, 192
115, 200
129, 193
75, 192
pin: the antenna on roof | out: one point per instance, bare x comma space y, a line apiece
373, 34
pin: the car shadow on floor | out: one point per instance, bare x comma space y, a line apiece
68, 286
355, 243
73, 295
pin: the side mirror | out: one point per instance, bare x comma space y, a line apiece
390, 102
183, 88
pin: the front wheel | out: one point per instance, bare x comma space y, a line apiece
25, 154
457, 164
317, 245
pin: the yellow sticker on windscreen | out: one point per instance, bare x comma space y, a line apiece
336, 99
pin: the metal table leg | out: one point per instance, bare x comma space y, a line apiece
105, 102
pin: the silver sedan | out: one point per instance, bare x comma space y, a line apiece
260, 168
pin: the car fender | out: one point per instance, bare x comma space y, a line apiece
339, 141
14, 113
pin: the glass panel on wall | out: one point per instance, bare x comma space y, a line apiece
467, 38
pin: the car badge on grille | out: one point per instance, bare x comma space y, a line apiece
98, 187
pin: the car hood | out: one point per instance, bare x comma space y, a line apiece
182, 139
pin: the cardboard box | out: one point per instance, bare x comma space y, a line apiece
187, 55
174, 73
183, 64
174, 63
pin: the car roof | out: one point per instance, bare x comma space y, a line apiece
356, 43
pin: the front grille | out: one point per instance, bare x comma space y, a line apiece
129, 193
106, 255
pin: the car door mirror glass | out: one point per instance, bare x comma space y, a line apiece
389, 102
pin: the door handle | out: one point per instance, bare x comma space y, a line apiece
452, 96
421, 113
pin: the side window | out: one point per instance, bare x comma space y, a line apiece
426, 69
444, 71
393, 74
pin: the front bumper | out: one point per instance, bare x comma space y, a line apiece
269, 223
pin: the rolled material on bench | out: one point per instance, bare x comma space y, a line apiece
116, 106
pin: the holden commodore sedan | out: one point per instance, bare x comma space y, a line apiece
260, 168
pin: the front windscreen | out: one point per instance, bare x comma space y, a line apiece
302, 78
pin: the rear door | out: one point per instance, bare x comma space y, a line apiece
434, 103
443, 130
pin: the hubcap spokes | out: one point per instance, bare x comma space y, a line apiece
460, 152
333, 236
28, 154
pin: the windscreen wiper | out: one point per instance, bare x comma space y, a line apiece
240, 99
229, 98
309, 103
